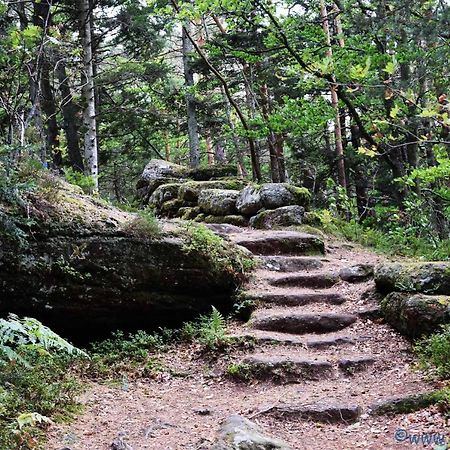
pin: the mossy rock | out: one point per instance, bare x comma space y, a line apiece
423, 277
218, 202
233, 219
416, 314
213, 172
163, 194
188, 212
171, 207
277, 195
281, 217
190, 190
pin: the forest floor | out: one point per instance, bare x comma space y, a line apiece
320, 360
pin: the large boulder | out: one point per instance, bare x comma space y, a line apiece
280, 217
86, 268
424, 277
156, 173
416, 314
276, 195
190, 190
239, 433
249, 201
218, 202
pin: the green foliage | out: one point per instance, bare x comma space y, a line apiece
85, 182
222, 256
434, 352
29, 334
35, 380
397, 240
126, 355
209, 331
240, 371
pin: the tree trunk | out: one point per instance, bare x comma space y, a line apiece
89, 113
70, 113
194, 144
334, 102
209, 150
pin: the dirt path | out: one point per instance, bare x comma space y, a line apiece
322, 364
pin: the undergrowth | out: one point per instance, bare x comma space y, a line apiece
394, 240
222, 256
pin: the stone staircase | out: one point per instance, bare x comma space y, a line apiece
317, 341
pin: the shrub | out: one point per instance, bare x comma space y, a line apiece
144, 225
434, 352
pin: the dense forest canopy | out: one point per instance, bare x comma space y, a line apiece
348, 98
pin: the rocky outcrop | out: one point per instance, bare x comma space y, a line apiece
87, 268
416, 314
281, 217
239, 433
418, 299
215, 195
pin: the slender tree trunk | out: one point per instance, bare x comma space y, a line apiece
194, 144
334, 102
70, 113
167, 146
89, 113
209, 150
49, 109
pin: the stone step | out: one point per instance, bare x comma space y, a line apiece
295, 299
298, 323
355, 364
325, 412
289, 263
281, 243
285, 368
308, 280
306, 341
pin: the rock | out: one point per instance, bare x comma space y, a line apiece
170, 208
286, 369
213, 172
281, 217
239, 433
190, 190
163, 194
423, 277
296, 299
84, 274
289, 263
156, 173
218, 202
158, 168
188, 212
277, 195
357, 273
308, 280
312, 218
283, 243
416, 314
355, 364
238, 221
298, 323
405, 404
318, 412
249, 201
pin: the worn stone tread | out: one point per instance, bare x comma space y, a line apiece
309, 280
289, 263
296, 299
299, 323
318, 412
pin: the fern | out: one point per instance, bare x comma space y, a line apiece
28, 333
